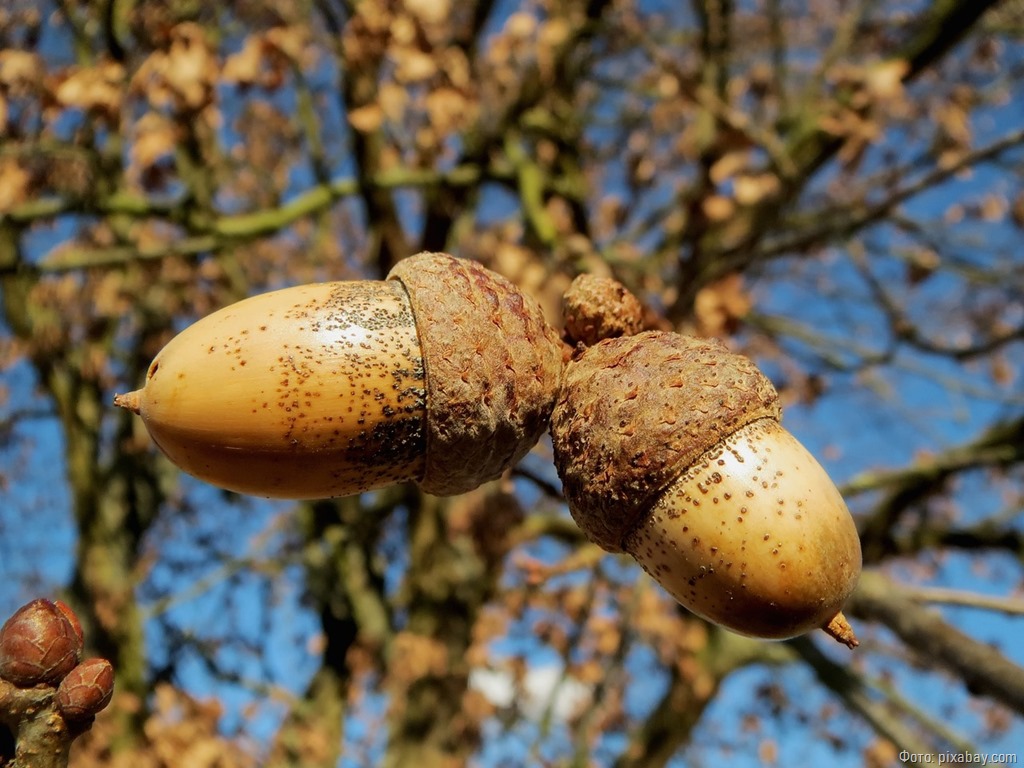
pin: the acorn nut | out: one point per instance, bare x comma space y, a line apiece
39, 644
670, 448
444, 374
86, 690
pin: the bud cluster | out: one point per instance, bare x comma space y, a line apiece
41, 645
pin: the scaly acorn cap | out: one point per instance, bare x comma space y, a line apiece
492, 369
636, 411
596, 308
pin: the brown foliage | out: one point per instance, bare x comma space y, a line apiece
751, 172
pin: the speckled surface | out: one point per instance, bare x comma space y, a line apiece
753, 536
306, 392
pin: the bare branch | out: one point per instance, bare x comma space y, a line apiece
842, 221
984, 669
856, 693
1008, 605
41, 737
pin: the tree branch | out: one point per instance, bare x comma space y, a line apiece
1007, 605
1001, 445
41, 737
984, 670
811, 147
855, 693
844, 219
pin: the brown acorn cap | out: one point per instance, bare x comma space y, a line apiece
634, 412
492, 365
596, 308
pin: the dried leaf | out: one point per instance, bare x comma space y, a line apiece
155, 137
921, 264
20, 70
880, 753
551, 37
393, 100
244, 67
366, 119
1003, 373
95, 88
884, 81
720, 306
191, 67
416, 656
447, 109
718, 207
14, 184
413, 65
184, 75
291, 40
429, 11
751, 190
994, 207
1017, 210
728, 165
521, 25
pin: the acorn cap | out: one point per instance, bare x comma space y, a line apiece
596, 308
492, 368
634, 412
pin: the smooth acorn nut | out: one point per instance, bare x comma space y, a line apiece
670, 448
86, 690
38, 644
444, 374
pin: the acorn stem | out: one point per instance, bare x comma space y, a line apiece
130, 400
839, 628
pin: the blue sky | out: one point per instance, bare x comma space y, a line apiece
920, 404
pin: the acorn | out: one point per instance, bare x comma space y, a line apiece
596, 308
86, 690
444, 374
39, 644
670, 448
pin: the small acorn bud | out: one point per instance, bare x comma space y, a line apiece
670, 449
38, 644
596, 308
444, 374
86, 690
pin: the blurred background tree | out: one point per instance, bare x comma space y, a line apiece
832, 187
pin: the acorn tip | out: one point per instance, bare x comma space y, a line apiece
839, 628
130, 400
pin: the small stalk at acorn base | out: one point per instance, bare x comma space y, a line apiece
131, 401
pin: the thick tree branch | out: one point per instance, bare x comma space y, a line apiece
984, 669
